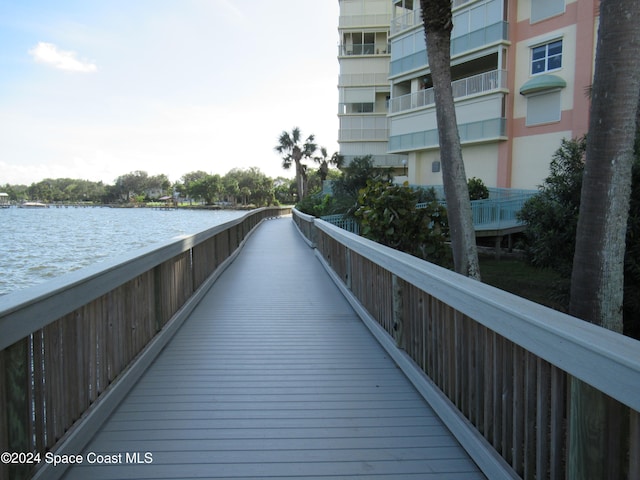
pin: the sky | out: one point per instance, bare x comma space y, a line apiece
95, 89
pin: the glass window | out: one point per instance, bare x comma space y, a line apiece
476, 21
460, 24
547, 57
494, 12
476, 18
407, 46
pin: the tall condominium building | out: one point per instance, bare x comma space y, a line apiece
521, 70
363, 84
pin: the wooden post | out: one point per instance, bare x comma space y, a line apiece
398, 326
634, 446
498, 249
18, 418
4, 428
158, 298
347, 267
593, 454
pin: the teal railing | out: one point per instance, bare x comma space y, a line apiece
499, 211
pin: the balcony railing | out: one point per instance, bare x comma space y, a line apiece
406, 21
414, 17
459, 3
379, 160
382, 19
484, 82
364, 49
359, 79
483, 130
479, 38
357, 134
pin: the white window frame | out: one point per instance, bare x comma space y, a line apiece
546, 58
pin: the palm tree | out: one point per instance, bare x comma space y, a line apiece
438, 23
293, 152
336, 160
598, 274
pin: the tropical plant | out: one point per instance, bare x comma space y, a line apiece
387, 214
356, 174
477, 189
438, 22
325, 162
551, 216
317, 205
293, 151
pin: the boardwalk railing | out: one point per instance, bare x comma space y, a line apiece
496, 367
499, 211
66, 345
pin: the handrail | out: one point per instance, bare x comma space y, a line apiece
499, 211
474, 85
65, 343
503, 362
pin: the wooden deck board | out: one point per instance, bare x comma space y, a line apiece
274, 375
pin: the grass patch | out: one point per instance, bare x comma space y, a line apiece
517, 277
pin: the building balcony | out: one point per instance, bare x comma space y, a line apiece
493, 33
406, 21
483, 83
381, 161
363, 134
412, 18
351, 21
492, 129
474, 40
363, 78
364, 49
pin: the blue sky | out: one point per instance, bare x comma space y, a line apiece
95, 89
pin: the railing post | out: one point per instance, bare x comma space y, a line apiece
398, 321
4, 425
634, 445
595, 439
347, 267
157, 298
16, 375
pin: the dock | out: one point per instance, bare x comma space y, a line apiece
275, 376
278, 345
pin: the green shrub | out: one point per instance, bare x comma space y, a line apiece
388, 215
477, 189
317, 205
552, 219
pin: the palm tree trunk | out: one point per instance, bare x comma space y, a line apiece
300, 180
598, 276
437, 23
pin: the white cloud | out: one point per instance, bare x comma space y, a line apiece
50, 54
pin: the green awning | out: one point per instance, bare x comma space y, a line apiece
541, 83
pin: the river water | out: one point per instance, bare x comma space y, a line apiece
39, 244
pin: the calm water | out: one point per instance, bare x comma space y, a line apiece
37, 245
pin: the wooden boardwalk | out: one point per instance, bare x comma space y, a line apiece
274, 376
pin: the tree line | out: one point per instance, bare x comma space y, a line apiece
237, 187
